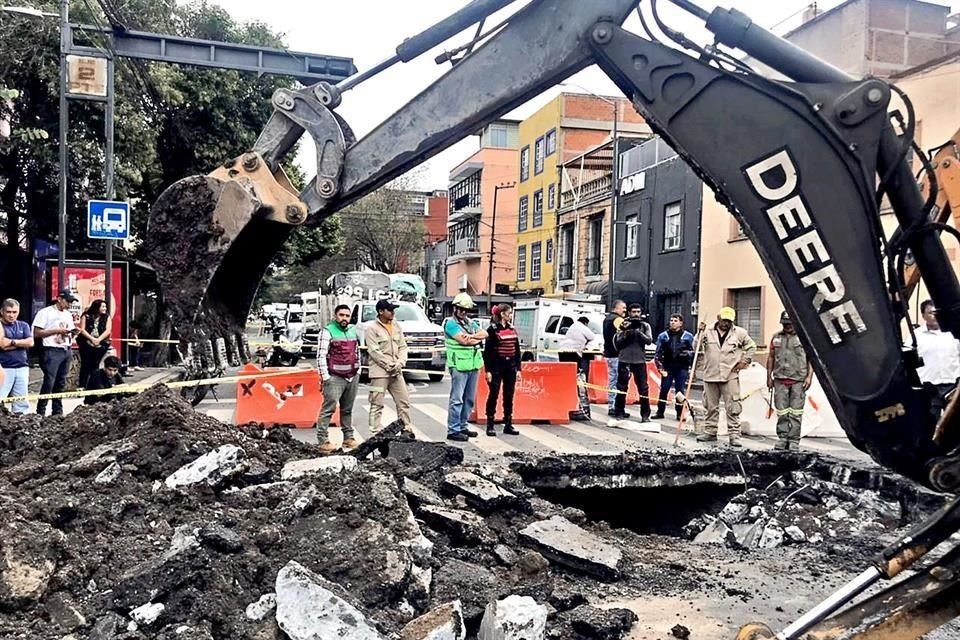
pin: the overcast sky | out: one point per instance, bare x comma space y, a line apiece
369, 31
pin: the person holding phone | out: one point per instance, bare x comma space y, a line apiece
55, 328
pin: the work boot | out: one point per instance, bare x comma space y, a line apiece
706, 437
509, 430
612, 413
470, 433
491, 430
658, 416
459, 436
782, 445
623, 415
735, 443
350, 443
327, 448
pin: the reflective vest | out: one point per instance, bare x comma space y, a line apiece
789, 358
342, 357
461, 357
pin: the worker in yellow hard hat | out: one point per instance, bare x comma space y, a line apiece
725, 350
464, 341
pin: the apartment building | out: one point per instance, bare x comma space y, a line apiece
473, 218
907, 41
567, 126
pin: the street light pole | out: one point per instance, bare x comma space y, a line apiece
64, 125
493, 232
614, 196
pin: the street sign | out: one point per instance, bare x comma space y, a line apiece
86, 75
108, 220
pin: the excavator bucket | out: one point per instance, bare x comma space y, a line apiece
210, 240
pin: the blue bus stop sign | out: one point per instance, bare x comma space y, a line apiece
107, 220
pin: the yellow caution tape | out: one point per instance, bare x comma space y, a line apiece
139, 388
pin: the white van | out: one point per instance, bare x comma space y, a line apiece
543, 322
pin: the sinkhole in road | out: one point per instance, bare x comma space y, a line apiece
661, 510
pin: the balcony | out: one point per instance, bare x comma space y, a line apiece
464, 249
465, 197
596, 189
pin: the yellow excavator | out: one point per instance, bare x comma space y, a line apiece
801, 164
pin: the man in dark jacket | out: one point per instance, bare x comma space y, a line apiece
673, 358
610, 326
501, 359
106, 377
632, 340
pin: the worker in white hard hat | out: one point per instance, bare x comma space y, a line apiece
464, 340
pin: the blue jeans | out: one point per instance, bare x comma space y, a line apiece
677, 378
613, 368
14, 384
463, 393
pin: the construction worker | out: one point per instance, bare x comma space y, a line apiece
338, 361
463, 338
789, 374
387, 356
725, 350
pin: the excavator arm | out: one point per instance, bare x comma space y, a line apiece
796, 162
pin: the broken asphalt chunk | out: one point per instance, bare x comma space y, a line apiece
482, 494
601, 624
514, 618
212, 468
442, 623
571, 546
309, 608
311, 466
463, 527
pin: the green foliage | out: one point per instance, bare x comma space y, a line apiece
171, 121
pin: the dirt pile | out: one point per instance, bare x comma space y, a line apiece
143, 519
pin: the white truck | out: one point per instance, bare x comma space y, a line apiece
361, 293
542, 324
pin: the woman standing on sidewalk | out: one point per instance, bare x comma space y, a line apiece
501, 358
93, 339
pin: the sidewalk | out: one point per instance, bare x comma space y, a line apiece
149, 376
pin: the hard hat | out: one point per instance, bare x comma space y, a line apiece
727, 313
463, 300
785, 318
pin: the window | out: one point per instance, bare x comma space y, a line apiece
670, 304
746, 302
549, 257
551, 141
565, 255
552, 197
535, 261
498, 135
522, 262
631, 250
552, 324
538, 208
594, 246
538, 157
522, 216
672, 226
524, 163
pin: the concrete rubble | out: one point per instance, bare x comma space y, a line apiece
142, 519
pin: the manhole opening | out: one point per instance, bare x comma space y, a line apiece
663, 510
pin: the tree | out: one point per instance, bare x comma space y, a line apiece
171, 120
380, 231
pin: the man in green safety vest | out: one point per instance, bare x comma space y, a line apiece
338, 362
789, 374
464, 339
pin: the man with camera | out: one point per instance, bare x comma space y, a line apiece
631, 341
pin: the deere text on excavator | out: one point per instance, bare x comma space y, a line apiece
802, 165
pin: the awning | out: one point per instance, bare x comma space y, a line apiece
599, 288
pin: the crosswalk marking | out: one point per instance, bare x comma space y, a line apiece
389, 414
607, 437
484, 442
551, 440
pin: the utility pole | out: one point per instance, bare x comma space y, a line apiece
493, 233
64, 125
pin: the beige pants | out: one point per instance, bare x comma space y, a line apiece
398, 390
730, 392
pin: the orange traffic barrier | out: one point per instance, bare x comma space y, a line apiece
292, 399
546, 392
597, 391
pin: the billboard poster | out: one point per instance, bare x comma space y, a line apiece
87, 282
